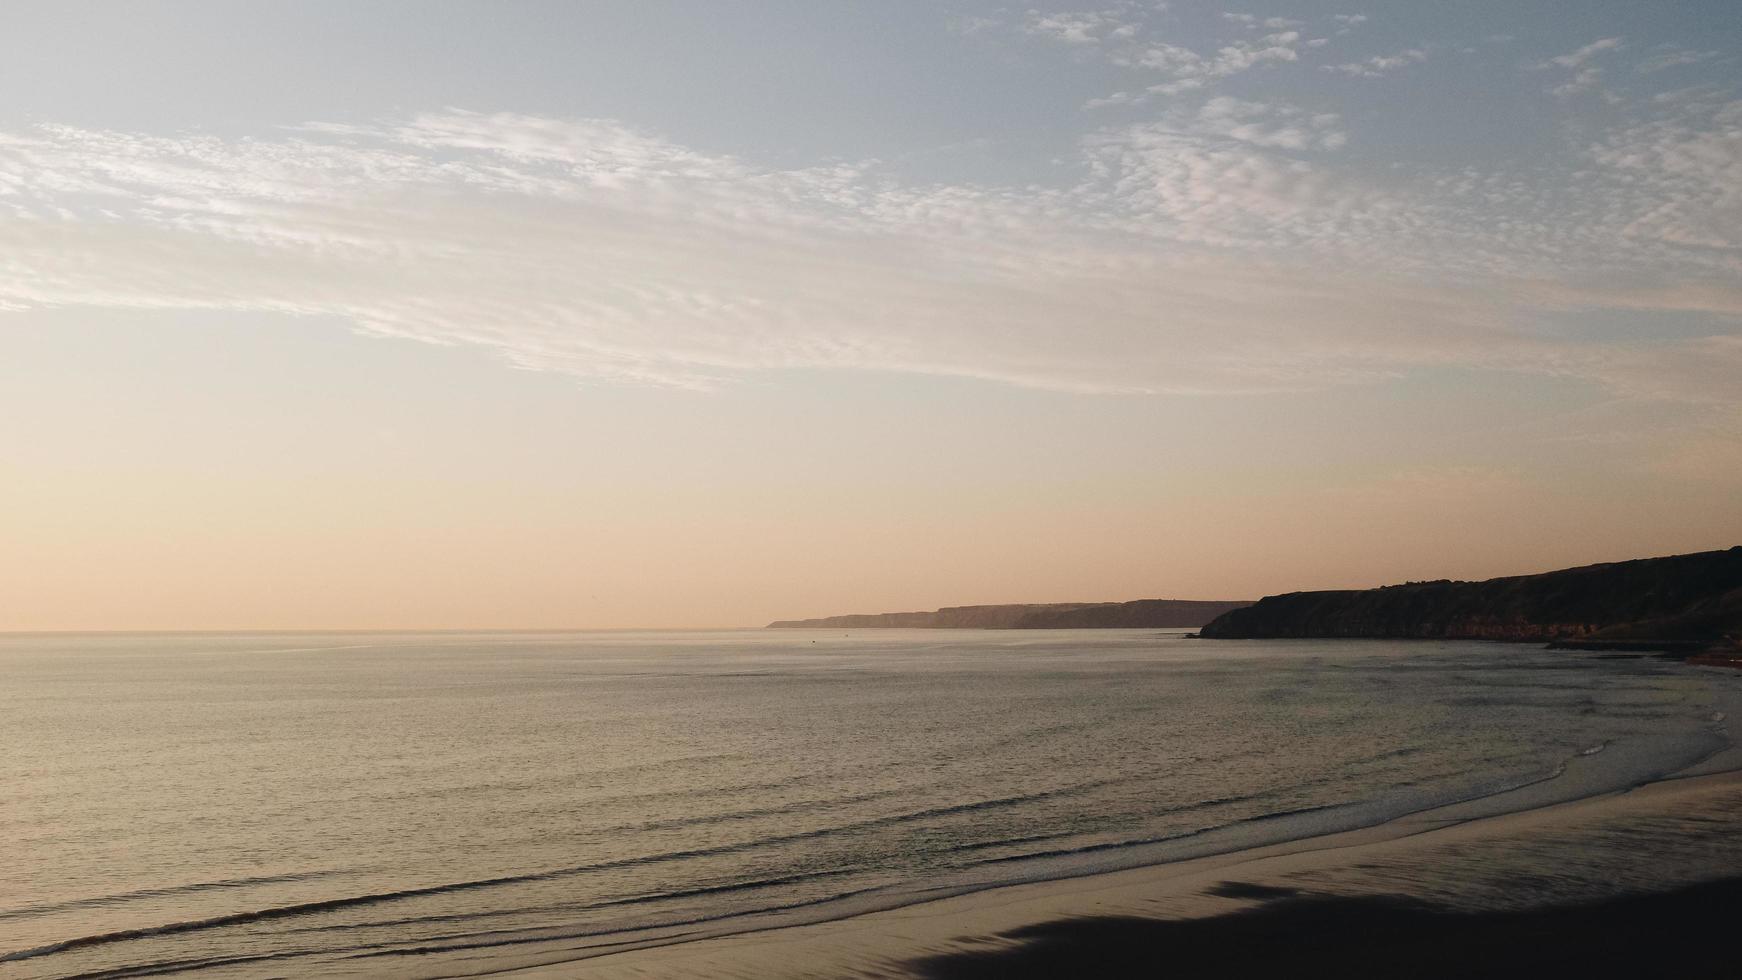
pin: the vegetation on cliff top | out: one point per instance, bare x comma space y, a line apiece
1683, 599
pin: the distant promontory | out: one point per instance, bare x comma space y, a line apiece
1137, 614
1680, 602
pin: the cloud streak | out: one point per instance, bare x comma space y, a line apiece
1577, 59
1380, 65
1204, 254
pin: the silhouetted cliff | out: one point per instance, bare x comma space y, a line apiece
1138, 614
1688, 598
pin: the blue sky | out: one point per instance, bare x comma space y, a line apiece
1224, 234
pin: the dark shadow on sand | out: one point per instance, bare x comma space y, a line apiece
1696, 928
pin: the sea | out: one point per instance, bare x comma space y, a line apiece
456, 804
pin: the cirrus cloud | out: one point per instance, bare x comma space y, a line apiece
1204, 257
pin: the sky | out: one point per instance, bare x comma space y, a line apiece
651, 314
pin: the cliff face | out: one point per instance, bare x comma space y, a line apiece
1139, 614
1694, 597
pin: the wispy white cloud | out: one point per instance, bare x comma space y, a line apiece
1379, 65
1584, 80
1126, 34
1586, 77
1578, 58
1683, 179
1348, 22
1204, 252
1254, 22
1672, 58
1118, 21
1269, 124
1188, 70
1085, 27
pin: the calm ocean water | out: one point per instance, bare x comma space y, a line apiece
255, 805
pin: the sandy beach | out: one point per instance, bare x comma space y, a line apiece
1612, 883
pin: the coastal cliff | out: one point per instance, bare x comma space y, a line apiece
1137, 614
1682, 600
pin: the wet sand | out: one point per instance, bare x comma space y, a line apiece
1623, 883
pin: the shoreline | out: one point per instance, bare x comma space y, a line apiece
987, 930
1502, 732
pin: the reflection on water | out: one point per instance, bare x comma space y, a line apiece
250, 805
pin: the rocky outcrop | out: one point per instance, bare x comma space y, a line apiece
1138, 614
1687, 598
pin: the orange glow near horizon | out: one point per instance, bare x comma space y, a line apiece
210, 476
